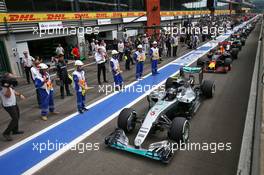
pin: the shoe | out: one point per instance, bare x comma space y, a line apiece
62, 97
106, 81
69, 95
18, 132
85, 109
7, 137
44, 118
80, 111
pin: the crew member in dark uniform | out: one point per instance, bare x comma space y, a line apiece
62, 73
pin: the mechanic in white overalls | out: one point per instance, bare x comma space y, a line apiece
140, 57
44, 84
80, 86
154, 55
116, 70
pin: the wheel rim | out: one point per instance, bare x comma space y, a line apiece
213, 90
130, 123
186, 131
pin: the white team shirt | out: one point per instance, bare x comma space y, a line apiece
28, 62
35, 73
7, 102
99, 58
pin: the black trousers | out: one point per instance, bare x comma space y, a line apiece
14, 113
28, 74
168, 51
101, 68
128, 61
174, 51
64, 84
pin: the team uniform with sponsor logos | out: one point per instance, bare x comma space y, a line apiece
140, 58
80, 88
46, 92
154, 55
118, 79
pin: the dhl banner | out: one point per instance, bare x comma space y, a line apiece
39, 17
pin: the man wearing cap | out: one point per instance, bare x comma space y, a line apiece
100, 58
27, 61
80, 86
44, 83
116, 70
139, 57
154, 55
63, 77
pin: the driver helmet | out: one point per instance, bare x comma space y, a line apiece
171, 94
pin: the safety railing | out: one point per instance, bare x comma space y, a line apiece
249, 160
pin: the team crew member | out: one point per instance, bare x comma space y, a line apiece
62, 73
43, 82
27, 61
80, 86
127, 52
8, 98
76, 53
154, 55
35, 73
100, 58
139, 57
116, 70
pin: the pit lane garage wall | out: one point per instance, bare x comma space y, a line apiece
80, 126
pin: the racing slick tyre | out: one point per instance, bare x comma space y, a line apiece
234, 53
127, 120
179, 130
200, 63
169, 83
243, 42
228, 62
208, 88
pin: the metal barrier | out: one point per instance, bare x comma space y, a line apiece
249, 160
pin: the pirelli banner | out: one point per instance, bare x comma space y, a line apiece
39, 17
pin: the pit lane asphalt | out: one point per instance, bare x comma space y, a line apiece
220, 119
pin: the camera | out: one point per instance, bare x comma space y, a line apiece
7, 80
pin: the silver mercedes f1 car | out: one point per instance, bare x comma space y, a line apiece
169, 110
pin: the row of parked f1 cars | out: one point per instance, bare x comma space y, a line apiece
172, 109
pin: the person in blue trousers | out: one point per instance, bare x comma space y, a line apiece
118, 79
139, 57
154, 55
45, 87
80, 86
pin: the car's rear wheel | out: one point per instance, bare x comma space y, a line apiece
228, 62
234, 53
179, 130
208, 88
127, 120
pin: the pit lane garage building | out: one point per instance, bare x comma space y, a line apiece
20, 21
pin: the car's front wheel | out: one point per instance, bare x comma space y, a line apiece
208, 88
179, 130
127, 120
